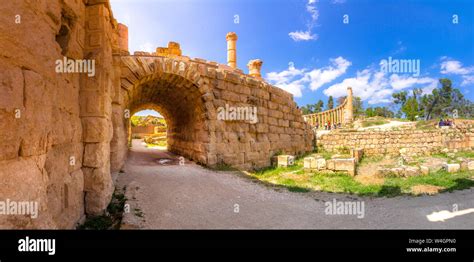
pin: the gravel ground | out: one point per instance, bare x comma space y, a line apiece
173, 196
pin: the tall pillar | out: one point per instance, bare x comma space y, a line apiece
349, 106
95, 97
231, 38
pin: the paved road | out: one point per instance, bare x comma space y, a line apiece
192, 197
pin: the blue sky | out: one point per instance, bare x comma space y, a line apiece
307, 48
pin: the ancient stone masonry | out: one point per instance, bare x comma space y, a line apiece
188, 92
64, 135
413, 142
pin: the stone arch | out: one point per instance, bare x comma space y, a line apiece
176, 90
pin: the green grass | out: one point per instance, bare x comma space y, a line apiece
111, 219
159, 143
367, 123
371, 159
465, 154
296, 180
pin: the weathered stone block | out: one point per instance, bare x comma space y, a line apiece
345, 165
286, 160
310, 163
357, 154
424, 170
452, 168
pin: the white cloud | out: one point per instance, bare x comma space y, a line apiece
468, 79
377, 87
454, 67
319, 77
294, 80
302, 36
403, 82
286, 79
286, 75
307, 35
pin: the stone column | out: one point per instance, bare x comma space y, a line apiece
96, 109
254, 68
349, 107
231, 38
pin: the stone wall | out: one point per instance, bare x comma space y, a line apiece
63, 135
46, 117
190, 92
415, 142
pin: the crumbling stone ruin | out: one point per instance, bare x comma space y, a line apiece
65, 132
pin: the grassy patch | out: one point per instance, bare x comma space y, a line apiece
377, 122
111, 219
465, 154
158, 144
296, 180
223, 167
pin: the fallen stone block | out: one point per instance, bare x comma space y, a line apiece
470, 165
467, 164
286, 160
452, 168
410, 171
310, 163
321, 163
424, 170
357, 154
345, 164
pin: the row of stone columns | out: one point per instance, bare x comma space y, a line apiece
342, 114
333, 116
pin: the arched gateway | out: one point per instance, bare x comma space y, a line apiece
64, 134
208, 107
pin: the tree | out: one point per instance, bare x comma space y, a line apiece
313, 108
379, 111
330, 102
318, 107
341, 100
400, 98
357, 106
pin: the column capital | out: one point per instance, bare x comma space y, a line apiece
231, 36
254, 67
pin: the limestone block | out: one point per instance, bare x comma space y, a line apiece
96, 154
345, 164
357, 154
470, 165
320, 163
286, 160
310, 163
452, 168
96, 129
24, 179
98, 186
410, 171
424, 170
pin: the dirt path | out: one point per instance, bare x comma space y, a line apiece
192, 197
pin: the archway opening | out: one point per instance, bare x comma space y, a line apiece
150, 128
181, 104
